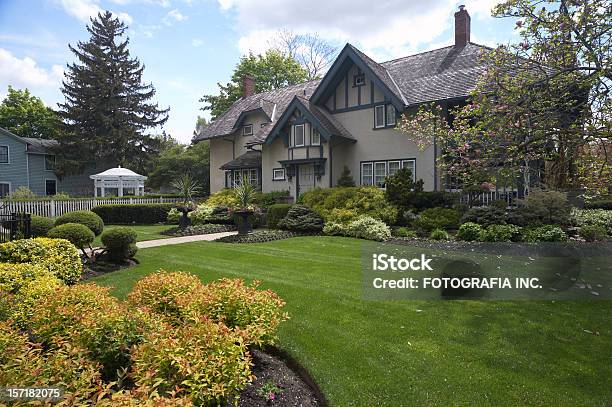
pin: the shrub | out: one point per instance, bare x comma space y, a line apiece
485, 216
138, 214
166, 294
201, 214
437, 218
400, 185
368, 228
501, 233
14, 276
205, 361
221, 215
546, 207
87, 218
593, 233
77, 234
335, 229
120, 242
225, 197
276, 213
469, 231
547, 233
24, 364
30, 291
88, 316
260, 236
198, 230
439, 234
604, 203
40, 225
173, 216
267, 199
362, 201
345, 179
404, 232
57, 255
592, 217
23, 193
301, 218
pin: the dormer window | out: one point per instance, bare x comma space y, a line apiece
247, 130
298, 135
359, 79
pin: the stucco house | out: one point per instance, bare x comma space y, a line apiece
300, 137
29, 162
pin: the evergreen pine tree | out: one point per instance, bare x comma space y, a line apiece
346, 179
107, 108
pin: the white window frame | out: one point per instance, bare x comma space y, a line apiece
249, 132
371, 176
54, 181
9, 188
8, 155
312, 141
413, 167
359, 80
389, 108
276, 177
295, 127
384, 174
376, 115
399, 166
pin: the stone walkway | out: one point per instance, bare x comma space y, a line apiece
183, 239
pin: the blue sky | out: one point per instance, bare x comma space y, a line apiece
188, 46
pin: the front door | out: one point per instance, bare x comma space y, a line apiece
306, 179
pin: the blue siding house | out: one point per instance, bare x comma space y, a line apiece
28, 162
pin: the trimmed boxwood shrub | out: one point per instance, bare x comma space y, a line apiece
547, 233
120, 243
79, 235
138, 214
260, 236
301, 218
436, 218
276, 213
592, 233
469, 231
501, 233
199, 230
40, 225
87, 218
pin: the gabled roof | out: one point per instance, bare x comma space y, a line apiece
273, 103
318, 117
250, 159
33, 145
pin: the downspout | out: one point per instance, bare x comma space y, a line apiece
27, 156
331, 164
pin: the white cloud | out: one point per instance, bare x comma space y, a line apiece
84, 9
389, 29
26, 73
196, 42
174, 16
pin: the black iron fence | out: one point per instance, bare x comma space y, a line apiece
15, 226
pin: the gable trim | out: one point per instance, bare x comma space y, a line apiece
296, 103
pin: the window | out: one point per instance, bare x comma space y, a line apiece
298, 134
380, 173
253, 178
233, 178
359, 79
50, 187
366, 173
247, 130
49, 162
393, 167
390, 115
410, 164
278, 174
4, 155
5, 189
379, 116
316, 138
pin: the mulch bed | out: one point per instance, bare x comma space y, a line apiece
263, 235
100, 267
199, 230
298, 388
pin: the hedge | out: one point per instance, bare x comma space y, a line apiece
276, 213
139, 214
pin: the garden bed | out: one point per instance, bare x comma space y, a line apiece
199, 230
261, 236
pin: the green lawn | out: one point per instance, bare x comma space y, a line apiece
143, 232
367, 353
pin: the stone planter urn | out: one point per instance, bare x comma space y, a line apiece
184, 220
244, 225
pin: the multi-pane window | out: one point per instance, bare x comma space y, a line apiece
298, 134
316, 138
390, 115
379, 116
4, 154
5, 189
49, 162
376, 172
247, 130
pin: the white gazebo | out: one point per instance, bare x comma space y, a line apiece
121, 179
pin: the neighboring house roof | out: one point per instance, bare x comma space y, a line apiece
37, 145
442, 74
250, 159
269, 102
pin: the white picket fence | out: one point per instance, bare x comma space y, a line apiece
54, 208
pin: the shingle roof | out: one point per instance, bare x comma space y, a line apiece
224, 124
38, 145
445, 73
250, 159
332, 125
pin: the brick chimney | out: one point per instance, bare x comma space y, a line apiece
248, 86
462, 27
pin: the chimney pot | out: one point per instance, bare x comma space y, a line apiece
248, 86
462, 27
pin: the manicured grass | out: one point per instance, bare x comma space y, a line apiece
367, 353
143, 232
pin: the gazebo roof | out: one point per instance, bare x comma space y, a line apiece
118, 172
